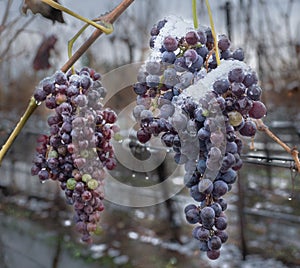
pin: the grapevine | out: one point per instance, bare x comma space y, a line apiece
194, 92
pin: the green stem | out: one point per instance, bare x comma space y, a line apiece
30, 109
194, 9
104, 27
213, 32
72, 41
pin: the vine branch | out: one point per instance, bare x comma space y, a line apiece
292, 151
110, 18
212, 26
194, 10
105, 28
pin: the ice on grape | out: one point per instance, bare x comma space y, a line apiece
202, 86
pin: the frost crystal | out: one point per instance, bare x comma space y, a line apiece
202, 86
175, 26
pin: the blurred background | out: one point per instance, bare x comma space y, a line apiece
264, 213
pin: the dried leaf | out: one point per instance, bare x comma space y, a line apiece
41, 60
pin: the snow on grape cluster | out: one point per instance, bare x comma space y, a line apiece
199, 109
77, 149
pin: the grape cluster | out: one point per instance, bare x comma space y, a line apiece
200, 110
78, 148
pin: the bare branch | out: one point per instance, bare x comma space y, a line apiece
292, 151
110, 17
17, 33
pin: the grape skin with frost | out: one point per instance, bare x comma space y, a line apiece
199, 109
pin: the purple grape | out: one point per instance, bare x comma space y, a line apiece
205, 186
152, 41
221, 223
168, 57
170, 43
203, 246
153, 67
39, 94
250, 79
220, 189
194, 192
254, 92
192, 38
154, 31
197, 64
213, 254
243, 105
198, 115
217, 208
207, 213
143, 136
161, 24
192, 216
60, 78
229, 176
201, 166
221, 86
140, 88
231, 147
203, 134
249, 129
202, 51
226, 54
236, 75
48, 85
209, 38
224, 42
214, 243
202, 37
190, 56
202, 234
258, 110
238, 89
50, 102
188, 207
43, 175
72, 91
180, 65
222, 235
152, 80
238, 54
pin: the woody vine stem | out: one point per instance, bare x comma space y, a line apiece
109, 19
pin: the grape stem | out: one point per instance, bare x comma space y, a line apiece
30, 109
109, 18
207, 58
213, 32
292, 151
108, 28
194, 10
72, 41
